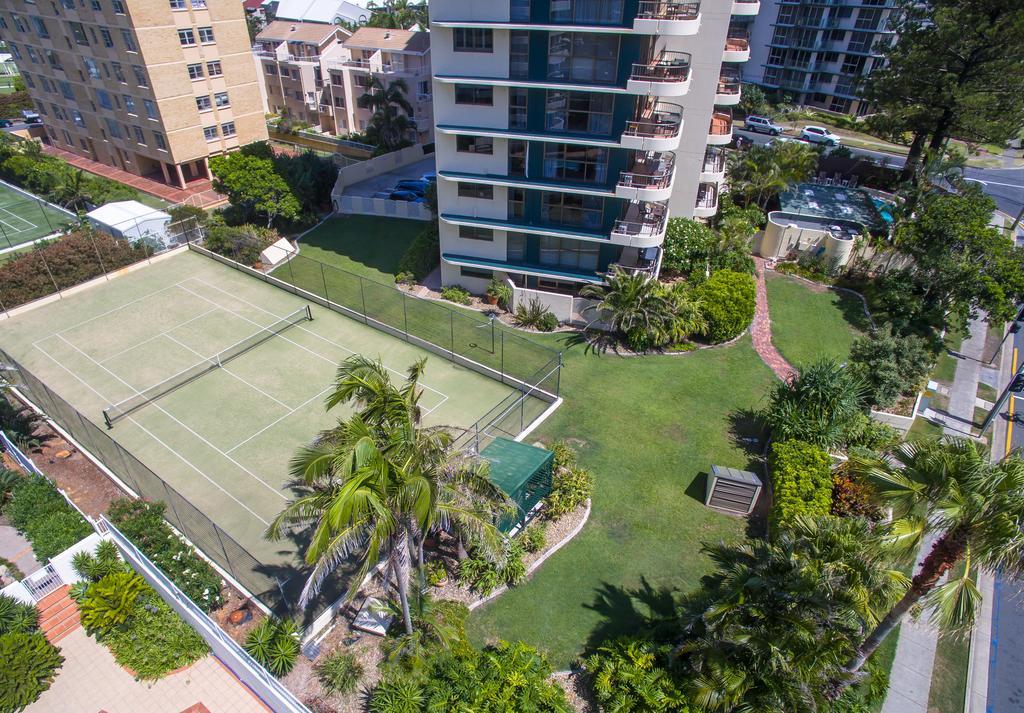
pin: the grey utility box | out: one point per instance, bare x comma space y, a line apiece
732, 490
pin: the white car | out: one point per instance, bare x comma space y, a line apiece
819, 135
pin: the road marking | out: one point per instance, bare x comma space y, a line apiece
994, 183
1009, 423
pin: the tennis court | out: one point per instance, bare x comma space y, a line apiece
25, 217
223, 438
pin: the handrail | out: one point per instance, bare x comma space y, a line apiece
660, 175
669, 67
707, 195
714, 161
722, 116
661, 122
667, 10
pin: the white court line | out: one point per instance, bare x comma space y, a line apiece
224, 368
32, 225
170, 416
109, 311
166, 333
308, 331
277, 421
149, 433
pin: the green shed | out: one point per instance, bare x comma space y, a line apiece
523, 472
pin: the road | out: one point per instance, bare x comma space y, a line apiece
1004, 185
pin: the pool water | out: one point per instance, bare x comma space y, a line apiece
884, 209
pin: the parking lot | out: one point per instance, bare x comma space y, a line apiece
387, 181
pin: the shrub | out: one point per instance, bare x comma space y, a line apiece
535, 315
155, 640
801, 476
631, 674
534, 537
42, 514
110, 601
71, 261
570, 488
17, 421
484, 576
423, 254
17, 616
436, 573
242, 243
9, 480
565, 455
728, 302
30, 663
397, 693
339, 672
454, 293
405, 278
890, 365
501, 292
274, 643
95, 567
143, 524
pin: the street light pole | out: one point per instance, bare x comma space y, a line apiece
1014, 328
1015, 386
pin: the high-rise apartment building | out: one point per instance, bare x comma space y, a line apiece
568, 131
153, 87
818, 49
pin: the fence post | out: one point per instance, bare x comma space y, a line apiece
362, 297
558, 376
323, 279
167, 497
92, 239
501, 367
451, 329
227, 560
405, 315
45, 217
43, 258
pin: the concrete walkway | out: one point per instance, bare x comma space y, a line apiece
17, 550
761, 329
964, 391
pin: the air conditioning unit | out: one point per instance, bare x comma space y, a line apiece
732, 490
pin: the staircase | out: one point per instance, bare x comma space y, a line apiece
58, 614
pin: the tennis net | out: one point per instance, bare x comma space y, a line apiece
117, 411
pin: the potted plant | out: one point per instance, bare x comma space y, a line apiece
499, 293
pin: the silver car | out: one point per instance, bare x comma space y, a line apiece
819, 135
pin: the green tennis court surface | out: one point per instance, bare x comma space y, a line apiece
224, 439
24, 217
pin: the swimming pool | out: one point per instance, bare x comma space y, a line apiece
884, 209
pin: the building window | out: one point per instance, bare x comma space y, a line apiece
178, 4
150, 108
473, 40
210, 133
270, 69
469, 232
66, 90
158, 138
585, 164
588, 12
475, 272
583, 57
140, 76
568, 253
516, 203
97, 6
14, 50
572, 209
228, 128
47, 87
113, 128
140, 136
517, 117
519, 54
517, 158
472, 94
76, 118
104, 99
474, 144
129, 41
206, 35
29, 82
203, 103
41, 27
221, 100
339, 101
195, 71
118, 7
18, 24
116, 66
214, 69
67, 138
129, 103
579, 112
78, 32
198, 4
186, 38
515, 247
476, 190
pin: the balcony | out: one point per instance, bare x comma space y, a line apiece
746, 7
729, 88
643, 261
649, 178
737, 46
658, 128
666, 76
660, 17
720, 133
707, 201
713, 168
642, 225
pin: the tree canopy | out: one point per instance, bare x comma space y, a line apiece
254, 187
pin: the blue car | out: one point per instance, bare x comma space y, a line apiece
416, 186
407, 196
429, 177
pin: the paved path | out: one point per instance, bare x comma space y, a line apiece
964, 391
16, 549
762, 329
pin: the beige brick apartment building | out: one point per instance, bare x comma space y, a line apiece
153, 87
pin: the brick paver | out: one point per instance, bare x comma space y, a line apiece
199, 193
762, 330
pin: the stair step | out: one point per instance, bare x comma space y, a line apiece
64, 614
63, 629
56, 607
54, 596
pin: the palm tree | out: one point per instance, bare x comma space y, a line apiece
762, 172
688, 315
398, 14
376, 482
635, 305
975, 507
391, 121
73, 192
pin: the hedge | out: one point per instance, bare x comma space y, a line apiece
143, 523
728, 300
44, 517
70, 261
801, 476
423, 253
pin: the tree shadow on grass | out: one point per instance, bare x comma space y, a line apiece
646, 611
852, 310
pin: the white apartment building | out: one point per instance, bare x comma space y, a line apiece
568, 131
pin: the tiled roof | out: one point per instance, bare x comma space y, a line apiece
286, 30
379, 38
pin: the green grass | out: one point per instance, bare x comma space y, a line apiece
923, 428
650, 429
809, 324
153, 201
987, 392
363, 244
884, 655
945, 368
949, 674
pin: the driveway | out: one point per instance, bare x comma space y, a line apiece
16, 549
387, 181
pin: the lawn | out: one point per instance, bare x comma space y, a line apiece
949, 674
363, 244
650, 428
808, 324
